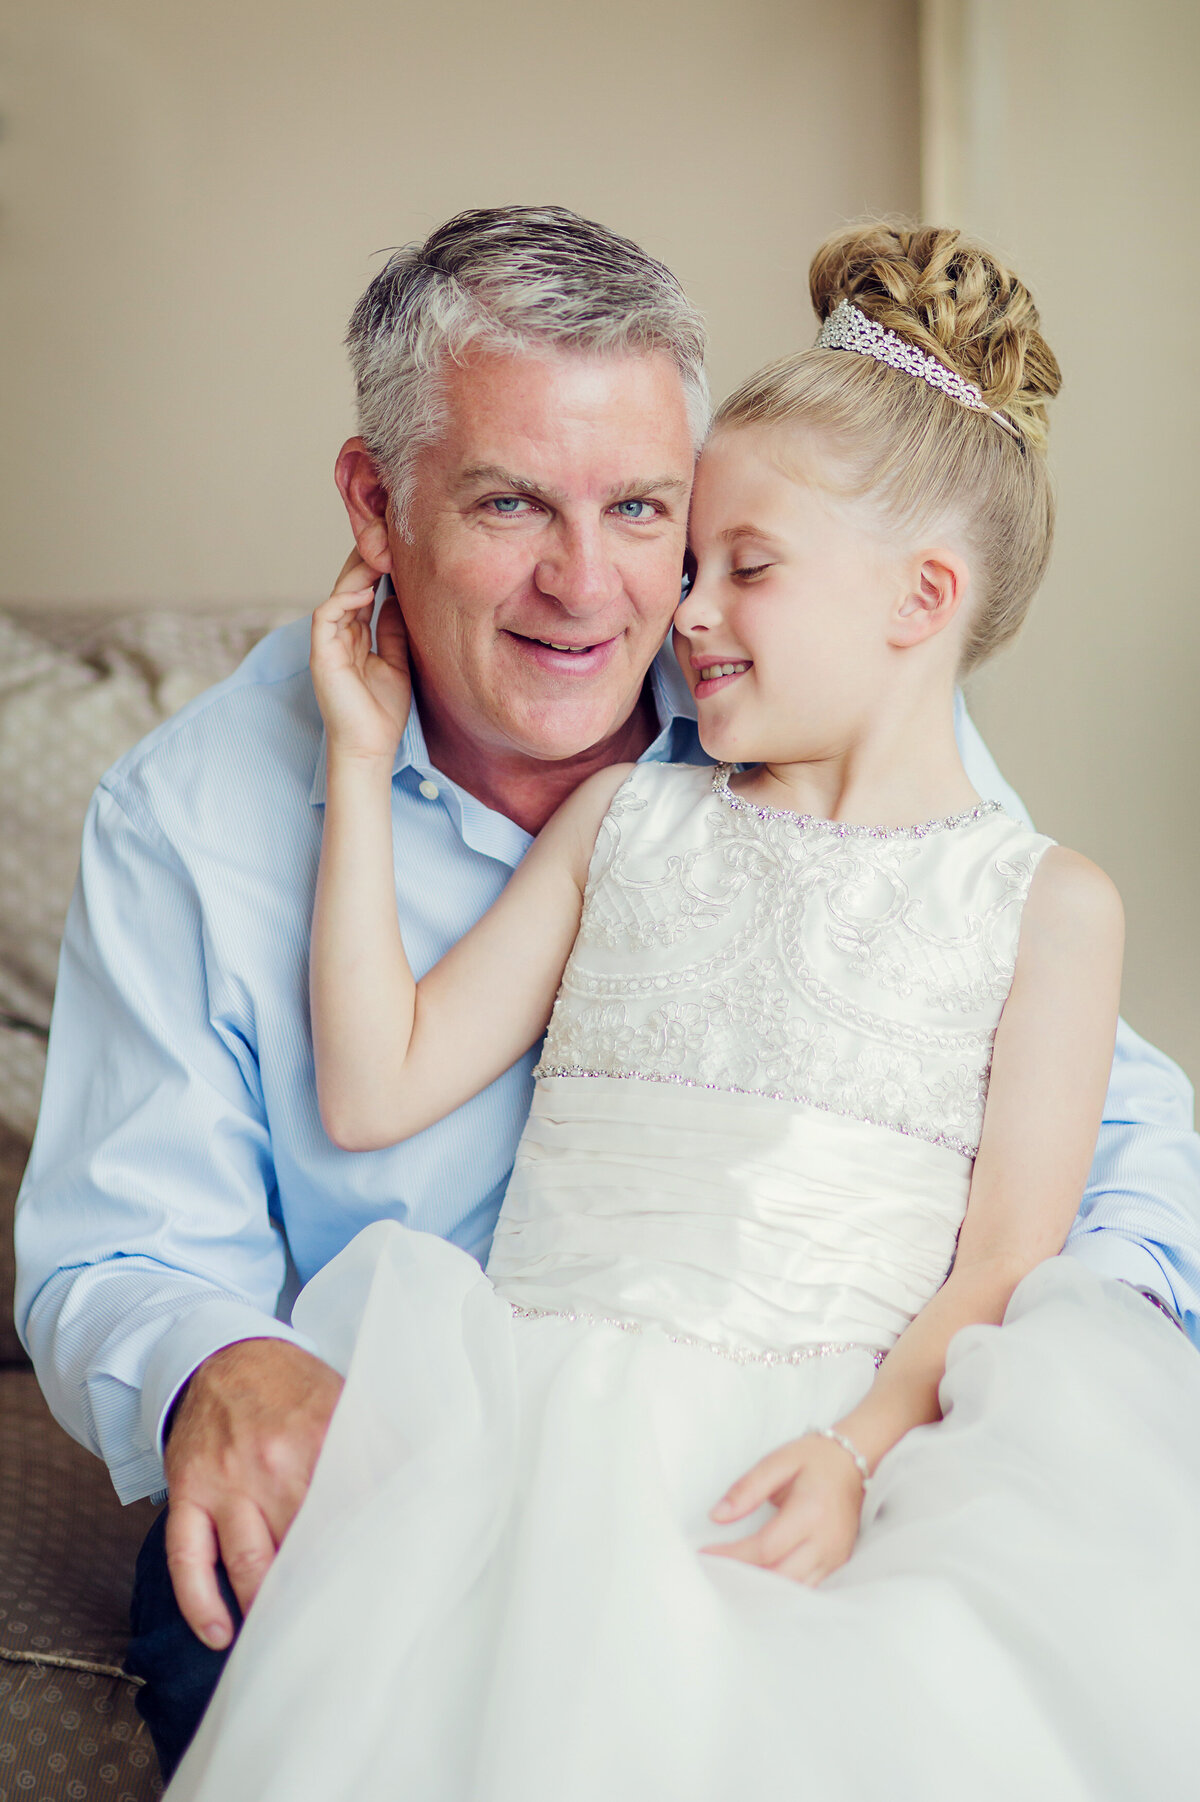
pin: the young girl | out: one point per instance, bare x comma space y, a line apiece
739, 1323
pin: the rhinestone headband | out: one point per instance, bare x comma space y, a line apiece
849, 328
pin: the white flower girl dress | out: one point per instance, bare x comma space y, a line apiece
746, 1165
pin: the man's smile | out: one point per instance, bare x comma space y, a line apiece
558, 654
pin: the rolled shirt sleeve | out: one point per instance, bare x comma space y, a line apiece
145, 1235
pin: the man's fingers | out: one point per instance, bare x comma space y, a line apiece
280, 1504
191, 1541
247, 1549
240, 1451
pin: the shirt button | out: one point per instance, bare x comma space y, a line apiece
429, 790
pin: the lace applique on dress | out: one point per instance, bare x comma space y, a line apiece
859, 970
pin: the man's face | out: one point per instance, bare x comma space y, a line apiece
551, 514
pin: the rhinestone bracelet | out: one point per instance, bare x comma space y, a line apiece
847, 1445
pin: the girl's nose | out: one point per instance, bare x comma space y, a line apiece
696, 611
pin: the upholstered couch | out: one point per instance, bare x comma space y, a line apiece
76, 689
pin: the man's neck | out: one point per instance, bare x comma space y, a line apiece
529, 789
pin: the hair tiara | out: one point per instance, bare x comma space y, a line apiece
849, 328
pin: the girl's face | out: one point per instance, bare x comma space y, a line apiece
783, 636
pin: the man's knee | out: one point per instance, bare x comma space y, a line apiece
178, 1672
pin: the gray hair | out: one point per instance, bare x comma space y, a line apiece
514, 278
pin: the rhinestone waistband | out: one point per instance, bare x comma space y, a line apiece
737, 1354
672, 1078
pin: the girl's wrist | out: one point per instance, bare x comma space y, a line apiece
342, 763
870, 1436
844, 1443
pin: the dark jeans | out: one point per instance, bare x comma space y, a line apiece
179, 1672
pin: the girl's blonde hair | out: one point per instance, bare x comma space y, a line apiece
925, 460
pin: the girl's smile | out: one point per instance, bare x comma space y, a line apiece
782, 634
711, 676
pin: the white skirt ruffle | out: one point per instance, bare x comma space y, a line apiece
493, 1591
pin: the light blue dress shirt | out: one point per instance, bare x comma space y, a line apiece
181, 1182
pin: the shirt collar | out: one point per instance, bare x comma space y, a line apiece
672, 702
412, 753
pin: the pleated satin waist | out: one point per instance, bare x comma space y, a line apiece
756, 1225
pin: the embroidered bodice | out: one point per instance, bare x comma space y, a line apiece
752, 951
759, 967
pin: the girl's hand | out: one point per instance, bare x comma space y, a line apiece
818, 1493
364, 694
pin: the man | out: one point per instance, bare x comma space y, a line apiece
531, 394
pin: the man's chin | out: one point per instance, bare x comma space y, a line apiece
571, 727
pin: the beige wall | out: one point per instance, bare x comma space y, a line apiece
193, 196
1078, 141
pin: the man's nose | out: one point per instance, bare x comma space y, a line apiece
579, 571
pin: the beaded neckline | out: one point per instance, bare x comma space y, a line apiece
842, 828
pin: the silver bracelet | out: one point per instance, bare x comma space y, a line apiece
847, 1445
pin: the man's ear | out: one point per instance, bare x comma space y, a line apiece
366, 502
937, 587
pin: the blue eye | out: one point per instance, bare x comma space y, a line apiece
626, 509
507, 504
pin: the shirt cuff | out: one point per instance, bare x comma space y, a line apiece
1111, 1254
205, 1329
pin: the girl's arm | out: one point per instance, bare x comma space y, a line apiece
394, 1055
1050, 1070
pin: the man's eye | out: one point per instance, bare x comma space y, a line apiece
638, 510
508, 505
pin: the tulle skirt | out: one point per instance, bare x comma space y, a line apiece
494, 1589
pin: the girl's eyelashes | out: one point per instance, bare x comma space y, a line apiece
747, 572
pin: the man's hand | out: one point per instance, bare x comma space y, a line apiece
818, 1493
243, 1442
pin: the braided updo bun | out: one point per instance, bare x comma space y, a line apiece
924, 461
954, 301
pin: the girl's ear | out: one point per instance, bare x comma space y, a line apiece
937, 587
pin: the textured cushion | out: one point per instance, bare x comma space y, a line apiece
67, 1552
76, 691
67, 1547
72, 1736
14, 1150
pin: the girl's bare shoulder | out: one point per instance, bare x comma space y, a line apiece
1072, 904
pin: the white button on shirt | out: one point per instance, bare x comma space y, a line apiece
180, 1155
